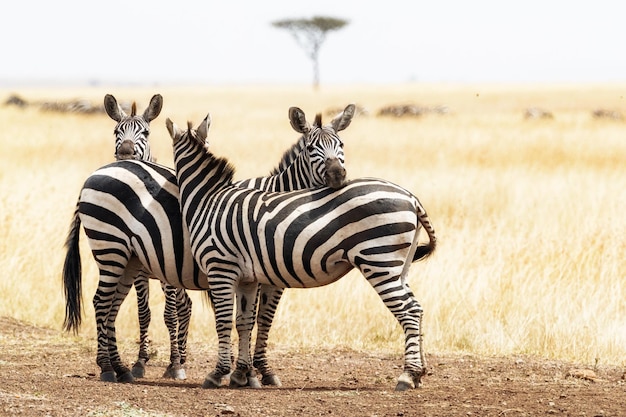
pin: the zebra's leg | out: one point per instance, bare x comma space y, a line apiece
209, 298
184, 308
399, 299
269, 298
222, 291
102, 301
122, 372
132, 270
142, 288
170, 315
244, 375
107, 296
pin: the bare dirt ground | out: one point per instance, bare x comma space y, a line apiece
44, 373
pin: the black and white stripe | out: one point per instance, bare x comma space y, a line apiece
243, 237
131, 214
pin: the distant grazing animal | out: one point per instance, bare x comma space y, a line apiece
72, 106
607, 114
15, 100
131, 214
243, 237
537, 113
402, 110
78, 106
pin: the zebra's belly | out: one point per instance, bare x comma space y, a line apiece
180, 274
299, 275
195, 280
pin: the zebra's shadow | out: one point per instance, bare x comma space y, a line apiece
307, 388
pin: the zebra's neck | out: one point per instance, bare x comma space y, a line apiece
199, 173
294, 172
290, 155
296, 176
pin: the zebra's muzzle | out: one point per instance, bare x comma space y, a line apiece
335, 176
125, 151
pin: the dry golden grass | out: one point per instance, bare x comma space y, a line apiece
529, 213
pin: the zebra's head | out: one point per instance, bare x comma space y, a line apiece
196, 137
132, 131
193, 159
324, 146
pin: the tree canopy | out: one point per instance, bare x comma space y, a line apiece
310, 34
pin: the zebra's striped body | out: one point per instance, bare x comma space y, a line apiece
131, 214
132, 142
243, 237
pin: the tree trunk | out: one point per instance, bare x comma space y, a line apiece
316, 74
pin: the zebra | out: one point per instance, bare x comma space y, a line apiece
244, 237
317, 159
124, 236
132, 142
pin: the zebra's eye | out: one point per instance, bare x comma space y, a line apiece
341, 145
310, 148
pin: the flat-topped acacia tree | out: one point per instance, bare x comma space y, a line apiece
310, 34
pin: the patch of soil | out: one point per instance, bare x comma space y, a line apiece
46, 373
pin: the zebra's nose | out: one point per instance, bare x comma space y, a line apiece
126, 150
335, 176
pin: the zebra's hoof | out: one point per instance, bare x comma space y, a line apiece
175, 373
272, 380
126, 377
108, 376
238, 379
253, 382
404, 386
139, 370
180, 374
211, 382
408, 381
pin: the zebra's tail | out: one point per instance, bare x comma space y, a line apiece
72, 278
424, 251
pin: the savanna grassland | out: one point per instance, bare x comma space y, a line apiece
529, 213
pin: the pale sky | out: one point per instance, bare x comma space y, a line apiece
391, 41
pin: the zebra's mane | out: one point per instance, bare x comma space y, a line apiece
289, 156
133, 110
292, 153
221, 166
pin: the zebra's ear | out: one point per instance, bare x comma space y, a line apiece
114, 111
203, 129
154, 109
175, 132
343, 119
298, 120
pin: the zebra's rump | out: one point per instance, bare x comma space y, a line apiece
133, 205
